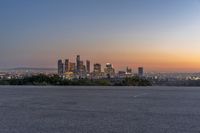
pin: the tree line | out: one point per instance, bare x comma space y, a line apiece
59, 81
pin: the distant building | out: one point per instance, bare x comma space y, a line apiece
69, 75
121, 74
72, 67
140, 71
109, 70
60, 67
81, 67
78, 65
97, 69
82, 70
88, 66
128, 70
67, 65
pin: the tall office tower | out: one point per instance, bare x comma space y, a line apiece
78, 59
140, 71
88, 66
67, 65
97, 69
109, 70
60, 67
81, 66
72, 67
128, 70
82, 72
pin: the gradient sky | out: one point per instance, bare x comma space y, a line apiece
161, 35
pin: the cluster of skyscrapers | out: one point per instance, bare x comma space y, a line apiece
79, 69
74, 70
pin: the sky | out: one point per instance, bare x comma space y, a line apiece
160, 35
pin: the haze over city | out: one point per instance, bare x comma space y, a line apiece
160, 35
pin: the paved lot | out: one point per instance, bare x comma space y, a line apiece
99, 110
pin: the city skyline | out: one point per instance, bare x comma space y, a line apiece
79, 68
161, 36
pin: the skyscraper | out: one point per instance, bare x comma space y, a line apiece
67, 65
97, 69
60, 67
72, 67
88, 66
78, 60
81, 69
140, 71
109, 70
81, 73
128, 70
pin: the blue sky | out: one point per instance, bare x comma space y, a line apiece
35, 33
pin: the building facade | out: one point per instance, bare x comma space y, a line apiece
67, 65
78, 63
72, 67
97, 70
88, 66
60, 67
109, 71
140, 71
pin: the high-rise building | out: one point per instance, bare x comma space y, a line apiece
72, 67
81, 69
60, 67
140, 71
109, 70
97, 69
67, 65
128, 70
88, 66
78, 60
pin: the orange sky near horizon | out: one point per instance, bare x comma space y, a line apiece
157, 60
158, 35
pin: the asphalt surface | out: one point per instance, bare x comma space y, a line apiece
99, 110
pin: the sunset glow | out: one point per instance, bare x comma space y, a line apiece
159, 35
